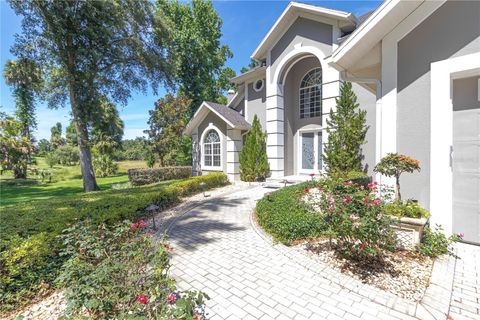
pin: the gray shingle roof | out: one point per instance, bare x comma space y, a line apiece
231, 115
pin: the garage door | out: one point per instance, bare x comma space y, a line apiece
466, 166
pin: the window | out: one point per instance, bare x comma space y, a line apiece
311, 94
258, 85
211, 149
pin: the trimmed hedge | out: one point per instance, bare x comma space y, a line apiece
27, 229
282, 214
139, 177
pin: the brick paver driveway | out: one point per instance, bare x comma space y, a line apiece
217, 250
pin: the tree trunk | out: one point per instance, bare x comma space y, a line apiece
398, 196
88, 174
20, 172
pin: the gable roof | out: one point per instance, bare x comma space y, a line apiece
250, 75
374, 28
294, 10
231, 117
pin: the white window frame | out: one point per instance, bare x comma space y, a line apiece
202, 147
261, 87
300, 88
315, 169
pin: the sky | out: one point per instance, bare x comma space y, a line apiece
245, 23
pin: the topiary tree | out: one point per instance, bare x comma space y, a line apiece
346, 134
393, 165
253, 158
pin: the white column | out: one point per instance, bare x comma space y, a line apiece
234, 146
275, 133
196, 170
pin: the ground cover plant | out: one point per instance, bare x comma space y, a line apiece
28, 234
118, 272
286, 218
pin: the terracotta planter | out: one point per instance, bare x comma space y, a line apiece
409, 231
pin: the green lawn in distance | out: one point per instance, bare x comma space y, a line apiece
66, 181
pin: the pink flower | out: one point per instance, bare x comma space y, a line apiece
366, 200
377, 201
371, 185
347, 199
171, 298
362, 246
356, 225
141, 224
142, 299
306, 190
460, 235
134, 226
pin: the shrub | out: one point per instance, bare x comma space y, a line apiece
354, 216
346, 133
118, 272
393, 165
22, 222
253, 157
436, 243
140, 177
67, 155
104, 166
283, 215
407, 209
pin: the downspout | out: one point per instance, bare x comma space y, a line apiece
378, 109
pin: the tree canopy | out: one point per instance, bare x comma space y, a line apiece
91, 49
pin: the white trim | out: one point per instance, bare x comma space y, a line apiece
211, 126
254, 85
246, 102
441, 134
299, 133
293, 10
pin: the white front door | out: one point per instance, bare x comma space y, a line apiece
466, 174
310, 155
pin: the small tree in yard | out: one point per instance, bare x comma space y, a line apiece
393, 165
253, 158
346, 134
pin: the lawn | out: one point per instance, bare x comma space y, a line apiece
66, 180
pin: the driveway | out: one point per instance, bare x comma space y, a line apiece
218, 250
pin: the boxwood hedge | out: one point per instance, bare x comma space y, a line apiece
282, 214
29, 244
139, 177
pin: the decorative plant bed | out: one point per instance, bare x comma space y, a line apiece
403, 273
409, 231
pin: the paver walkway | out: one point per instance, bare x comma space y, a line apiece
217, 250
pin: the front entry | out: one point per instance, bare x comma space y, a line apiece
310, 155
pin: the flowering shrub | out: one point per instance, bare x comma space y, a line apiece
118, 272
435, 243
393, 165
354, 216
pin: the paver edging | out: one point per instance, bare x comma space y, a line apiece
440, 286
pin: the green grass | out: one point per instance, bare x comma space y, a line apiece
67, 180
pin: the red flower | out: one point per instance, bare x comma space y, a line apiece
366, 200
141, 224
171, 298
312, 174
142, 299
377, 201
362, 246
134, 226
347, 199
306, 190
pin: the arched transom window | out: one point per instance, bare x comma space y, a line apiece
311, 94
211, 149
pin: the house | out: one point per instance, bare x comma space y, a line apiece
415, 67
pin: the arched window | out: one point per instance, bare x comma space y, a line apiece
311, 94
211, 149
